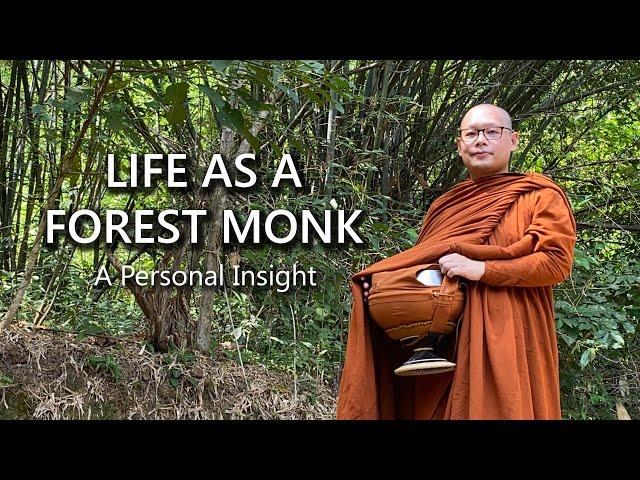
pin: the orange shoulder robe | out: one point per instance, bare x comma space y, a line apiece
522, 226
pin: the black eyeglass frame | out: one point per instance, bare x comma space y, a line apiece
478, 130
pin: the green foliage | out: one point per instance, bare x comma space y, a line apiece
592, 392
597, 311
590, 145
176, 362
175, 95
599, 306
6, 381
106, 364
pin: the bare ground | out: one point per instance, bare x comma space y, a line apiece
52, 375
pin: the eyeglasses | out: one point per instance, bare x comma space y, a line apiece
470, 135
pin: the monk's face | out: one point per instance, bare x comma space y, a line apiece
486, 156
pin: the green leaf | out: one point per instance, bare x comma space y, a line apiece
253, 141
251, 102
220, 65
412, 235
293, 95
6, 381
93, 329
312, 65
66, 105
565, 306
174, 96
133, 135
176, 114
115, 85
581, 262
380, 227
570, 335
617, 338
232, 118
581, 258
38, 109
145, 88
588, 355
75, 95
176, 93
311, 94
114, 121
237, 333
213, 95
261, 75
341, 84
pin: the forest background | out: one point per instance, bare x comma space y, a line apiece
376, 135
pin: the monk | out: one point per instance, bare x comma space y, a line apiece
512, 237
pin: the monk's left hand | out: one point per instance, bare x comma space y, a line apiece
456, 264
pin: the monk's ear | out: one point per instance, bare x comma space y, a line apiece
515, 140
458, 146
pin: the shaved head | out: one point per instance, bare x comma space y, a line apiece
487, 107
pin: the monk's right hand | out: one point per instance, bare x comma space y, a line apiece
366, 286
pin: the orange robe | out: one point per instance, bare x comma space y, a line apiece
522, 226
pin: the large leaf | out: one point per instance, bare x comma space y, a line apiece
220, 65
231, 117
75, 95
261, 75
312, 66
114, 120
253, 141
213, 95
174, 96
176, 114
588, 355
115, 85
176, 93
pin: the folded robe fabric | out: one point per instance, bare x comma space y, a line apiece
522, 226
